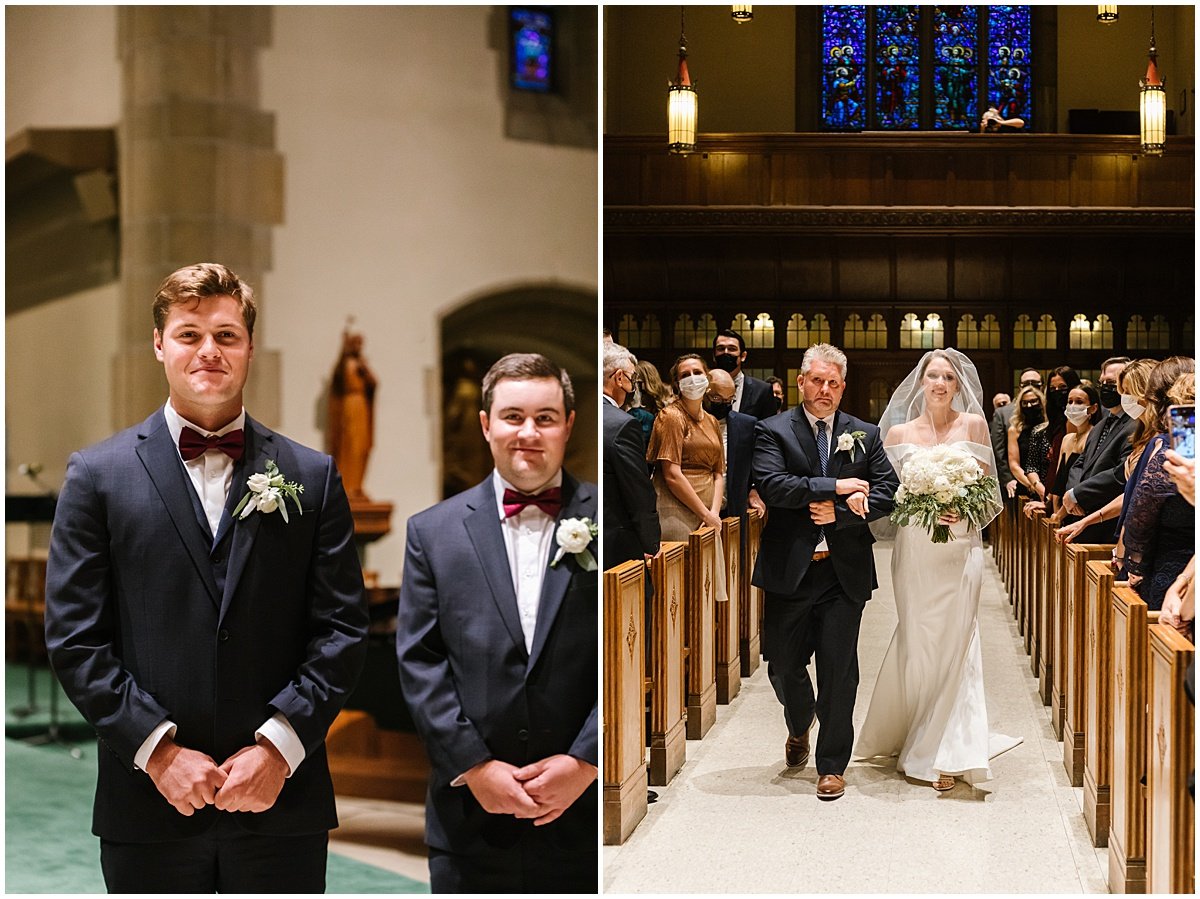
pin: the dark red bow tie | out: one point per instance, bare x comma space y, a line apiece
549, 501
193, 444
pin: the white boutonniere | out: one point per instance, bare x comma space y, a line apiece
847, 440
573, 536
268, 492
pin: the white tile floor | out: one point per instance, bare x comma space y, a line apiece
735, 820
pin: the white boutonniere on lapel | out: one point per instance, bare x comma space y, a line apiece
573, 536
269, 491
848, 440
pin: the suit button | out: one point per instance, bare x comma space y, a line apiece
522, 734
223, 635
217, 559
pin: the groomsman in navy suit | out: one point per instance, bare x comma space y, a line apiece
497, 647
210, 651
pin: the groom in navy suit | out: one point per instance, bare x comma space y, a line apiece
823, 475
496, 641
211, 653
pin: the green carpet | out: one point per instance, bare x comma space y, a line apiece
20, 721
49, 847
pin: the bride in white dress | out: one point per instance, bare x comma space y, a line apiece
928, 705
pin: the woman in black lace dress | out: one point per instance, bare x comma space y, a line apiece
1027, 456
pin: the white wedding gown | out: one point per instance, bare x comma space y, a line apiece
928, 707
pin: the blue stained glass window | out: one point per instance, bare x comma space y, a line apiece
532, 42
897, 67
1010, 77
955, 67
843, 67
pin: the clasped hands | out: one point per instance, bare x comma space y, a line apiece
248, 781
854, 489
542, 790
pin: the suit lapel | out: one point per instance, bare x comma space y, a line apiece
808, 443
260, 446
483, 527
835, 458
557, 579
160, 457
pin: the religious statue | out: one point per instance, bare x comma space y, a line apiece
351, 427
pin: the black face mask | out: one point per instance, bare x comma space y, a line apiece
1032, 416
1110, 397
720, 411
1057, 400
778, 403
725, 362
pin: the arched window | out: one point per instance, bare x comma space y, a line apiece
1081, 333
1023, 334
1047, 334
910, 332
741, 324
706, 331
1160, 333
797, 333
627, 332
967, 335
1137, 335
854, 333
818, 331
877, 332
878, 393
989, 333
685, 331
793, 392
763, 333
1102, 333
966, 45
934, 335
631, 336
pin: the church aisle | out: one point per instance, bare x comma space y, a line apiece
736, 820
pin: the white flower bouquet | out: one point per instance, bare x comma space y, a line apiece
940, 479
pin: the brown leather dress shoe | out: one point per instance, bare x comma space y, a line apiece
795, 750
830, 786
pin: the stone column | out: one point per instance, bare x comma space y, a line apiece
200, 179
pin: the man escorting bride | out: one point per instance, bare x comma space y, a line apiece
928, 705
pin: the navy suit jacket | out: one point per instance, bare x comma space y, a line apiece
787, 477
1102, 466
474, 691
148, 617
757, 398
739, 453
631, 529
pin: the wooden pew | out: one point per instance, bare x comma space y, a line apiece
1008, 556
1024, 559
1127, 831
1058, 639
1170, 811
700, 623
624, 700
750, 611
668, 741
1050, 645
728, 639
1075, 655
1041, 592
1097, 761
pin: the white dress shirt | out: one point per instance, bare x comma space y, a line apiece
738, 381
823, 546
528, 536
211, 474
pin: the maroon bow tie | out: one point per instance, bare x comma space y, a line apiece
549, 501
193, 444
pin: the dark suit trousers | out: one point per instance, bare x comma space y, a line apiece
224, 859
522, 868
820, 618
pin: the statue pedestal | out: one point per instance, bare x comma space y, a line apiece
371, 520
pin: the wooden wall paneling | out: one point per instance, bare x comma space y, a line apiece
864, 269
700, 620
624, 701
922, 270
750, 612
1097, 764
979, 179
979, 271
1170, 810
806, 268
728, 657
668, 741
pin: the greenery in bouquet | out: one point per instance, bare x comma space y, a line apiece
941, 479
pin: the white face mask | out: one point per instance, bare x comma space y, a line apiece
1076, 414
1131, 406
693, 387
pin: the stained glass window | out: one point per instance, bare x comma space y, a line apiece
1009, 49
955, 66
532, 45
897, 67
843, 68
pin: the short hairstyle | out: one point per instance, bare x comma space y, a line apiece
526, 367
729, 332
1036, 371
616, 356
775, 380
196, 282
823, 352
1114, 360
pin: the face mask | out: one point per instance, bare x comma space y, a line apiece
1110, 397
693, 387
1032, 416
1131, 407
1077, 414
778, 403
726, 362
720, 410
1057, 400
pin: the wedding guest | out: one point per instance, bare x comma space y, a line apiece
631, 529
1047, 442
1159, 526
648, 398
1001, 418
754, 397
685, 449
1082, 412
1000, 400
1023, 460
210, 650
779, 389
1179, 604
737, 439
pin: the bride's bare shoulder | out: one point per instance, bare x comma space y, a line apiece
976, 427
896, 434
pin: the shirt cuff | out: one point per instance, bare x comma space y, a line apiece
141, 759
461, 780
279, 732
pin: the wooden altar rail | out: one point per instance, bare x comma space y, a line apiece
700, 624
728, 635
1127, 828
1097, 759
1170, 810
751, 598
1074, 729
667, 726
624, 701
